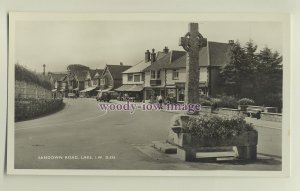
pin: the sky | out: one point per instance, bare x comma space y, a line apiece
58, 44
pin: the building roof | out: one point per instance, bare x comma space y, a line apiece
215, 54
93, 73
58, 76
166, 60
219, 53
81, 74
160, 54
116, 70
139, 67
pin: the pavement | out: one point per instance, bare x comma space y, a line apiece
81, 136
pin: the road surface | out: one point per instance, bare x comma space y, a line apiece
81, 136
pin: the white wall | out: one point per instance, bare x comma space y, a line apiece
125, 79
147, 78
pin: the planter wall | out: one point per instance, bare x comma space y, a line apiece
229, 111
206, 109
189, 145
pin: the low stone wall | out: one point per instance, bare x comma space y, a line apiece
206, 109
229, 111
271, 116
27, 108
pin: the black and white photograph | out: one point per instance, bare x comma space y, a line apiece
152, 94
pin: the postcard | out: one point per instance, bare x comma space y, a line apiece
142, 94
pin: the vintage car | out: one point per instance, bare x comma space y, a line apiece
103, 96
71, 95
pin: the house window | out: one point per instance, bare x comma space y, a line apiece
175, 75
143, 77
137, 78
152, 74
102, 81
129, 77
158, 74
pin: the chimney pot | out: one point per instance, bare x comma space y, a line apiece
231, 42
153, 56
121, 63
166, 49
147, 56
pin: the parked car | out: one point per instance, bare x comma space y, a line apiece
103, 96
254, 111
71, 95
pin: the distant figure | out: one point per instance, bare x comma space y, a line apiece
160, 101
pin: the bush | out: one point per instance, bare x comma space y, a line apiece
273, 100
23, 74
246, 101
225, 101
205, 101
215, 126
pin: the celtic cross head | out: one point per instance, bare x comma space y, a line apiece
193, 40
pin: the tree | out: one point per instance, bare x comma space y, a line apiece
254, 75
235, 72
76, 67
269, 77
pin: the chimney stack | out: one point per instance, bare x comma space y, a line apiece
231, 42
166, 49
153, 56
44, 69
147, 56
121, 63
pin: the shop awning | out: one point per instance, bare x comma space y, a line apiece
88, 89
105, 90
54, 90
76, 89
130, 88
170, 86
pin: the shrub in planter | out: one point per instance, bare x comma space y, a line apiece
217, 127
246, 101
224, 101
197, 133
205, 100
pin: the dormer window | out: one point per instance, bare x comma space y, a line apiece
137, 78
152, 74
158, 74
175, 74
129, 77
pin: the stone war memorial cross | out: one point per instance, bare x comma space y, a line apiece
192, 43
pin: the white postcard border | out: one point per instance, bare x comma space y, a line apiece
30, 16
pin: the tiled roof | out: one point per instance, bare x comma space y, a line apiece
80, 74
139, 67
219, 53
93, 73
160, 55
218, 56
58, 76
116, 70
166, 60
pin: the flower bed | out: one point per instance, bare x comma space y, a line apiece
192, 133
216, 126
